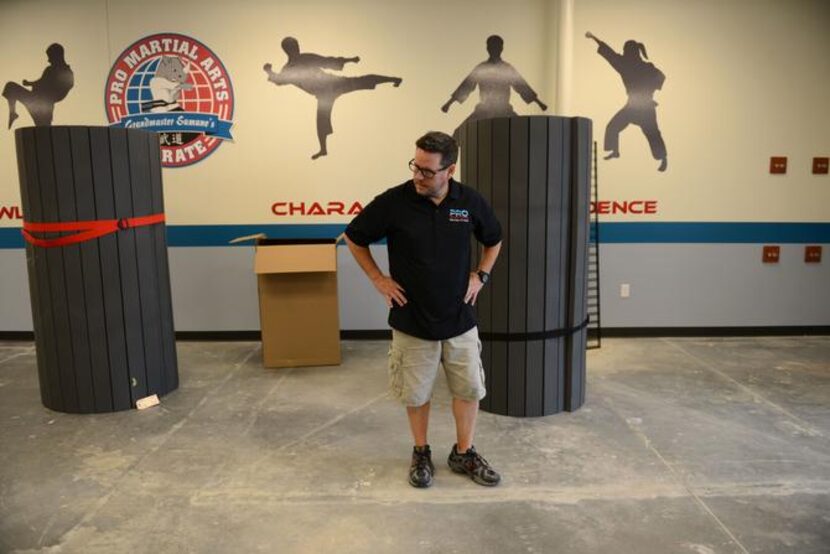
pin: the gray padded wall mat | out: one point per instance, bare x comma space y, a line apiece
101, 309
535, 172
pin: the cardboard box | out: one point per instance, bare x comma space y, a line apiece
298, 314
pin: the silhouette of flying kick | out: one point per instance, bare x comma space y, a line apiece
305, 71
641, 80
52, 87
494, 79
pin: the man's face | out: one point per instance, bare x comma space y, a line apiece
436, 185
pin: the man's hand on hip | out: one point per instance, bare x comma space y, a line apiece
473, 287
390, 290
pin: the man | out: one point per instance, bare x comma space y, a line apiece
427, 222
52, 87
305, 71
494, 78
641, 80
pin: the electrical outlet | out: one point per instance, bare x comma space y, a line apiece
812, 254
625, 290
771, 254
778, 164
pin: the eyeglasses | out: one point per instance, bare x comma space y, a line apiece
426, 172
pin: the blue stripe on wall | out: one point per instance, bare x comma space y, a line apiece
724, 233
609, 233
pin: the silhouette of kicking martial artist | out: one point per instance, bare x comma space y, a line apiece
52, 87
641, 80
494, 79
305, 71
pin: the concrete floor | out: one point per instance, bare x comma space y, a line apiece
684, 445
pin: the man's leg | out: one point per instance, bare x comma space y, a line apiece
465, 412
41, 114
13, 92
418, 423
365, 82
611, 143
413, 366
324, 128
461, 357
421, 468
648, 123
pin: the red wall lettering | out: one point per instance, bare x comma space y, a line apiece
637, 207
315, 208
10, 212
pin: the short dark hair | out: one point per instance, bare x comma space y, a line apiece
440, 143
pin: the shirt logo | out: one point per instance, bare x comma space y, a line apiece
176, 86
459, 216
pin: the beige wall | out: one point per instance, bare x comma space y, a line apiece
431, 45
745, 80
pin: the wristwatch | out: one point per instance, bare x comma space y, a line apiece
484, 276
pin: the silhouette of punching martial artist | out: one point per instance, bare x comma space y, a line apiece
641, 80
494, 79
305, 71
52, 87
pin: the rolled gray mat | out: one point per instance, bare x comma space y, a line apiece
535, 172
101, 306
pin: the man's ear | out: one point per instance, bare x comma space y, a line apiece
451, 170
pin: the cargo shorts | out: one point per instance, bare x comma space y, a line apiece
414, 362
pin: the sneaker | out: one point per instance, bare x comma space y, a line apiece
474, 465
421, 470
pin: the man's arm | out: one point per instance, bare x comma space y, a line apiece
520, 85
606, 51
43, 77
591, 36
276, 78
489, 254
385, 285
335, 63
460, 94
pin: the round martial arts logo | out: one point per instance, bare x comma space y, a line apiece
176, 86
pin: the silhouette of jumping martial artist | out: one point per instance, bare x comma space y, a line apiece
494, 79
305, 71
641, 80
52, 87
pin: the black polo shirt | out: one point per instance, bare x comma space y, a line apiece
429, 253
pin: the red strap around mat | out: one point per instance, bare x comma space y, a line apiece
85, 230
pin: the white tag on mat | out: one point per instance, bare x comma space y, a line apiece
147, 402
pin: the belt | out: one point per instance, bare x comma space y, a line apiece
84, 230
